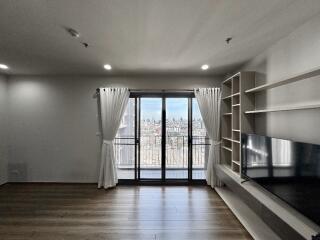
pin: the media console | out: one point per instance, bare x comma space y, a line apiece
287, 169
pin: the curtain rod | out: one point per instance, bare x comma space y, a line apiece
156, 90
151, 91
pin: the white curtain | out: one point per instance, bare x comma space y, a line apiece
209, 100
113, 102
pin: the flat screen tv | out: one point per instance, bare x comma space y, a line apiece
288, 169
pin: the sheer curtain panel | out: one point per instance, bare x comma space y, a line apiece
113, 102
209, 101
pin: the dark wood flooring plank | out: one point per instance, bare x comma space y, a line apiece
81, 211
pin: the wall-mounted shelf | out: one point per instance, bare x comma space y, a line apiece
236, 105
235, 130
294, 78
287, 108
227, 114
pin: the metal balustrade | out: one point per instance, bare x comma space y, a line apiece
150, 152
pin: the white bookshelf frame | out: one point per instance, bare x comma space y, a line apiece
234, 121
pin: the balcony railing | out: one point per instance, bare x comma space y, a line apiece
150, 152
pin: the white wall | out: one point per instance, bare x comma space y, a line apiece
53, 123
298, 52
3, 130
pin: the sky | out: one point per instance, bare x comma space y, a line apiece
176, 108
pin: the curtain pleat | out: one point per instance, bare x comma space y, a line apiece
209, 101
113, 102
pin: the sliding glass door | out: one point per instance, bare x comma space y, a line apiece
177, 132
150, 138
162, 138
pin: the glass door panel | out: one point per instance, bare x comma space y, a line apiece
150, 138
124, 143
176, 164
200, 143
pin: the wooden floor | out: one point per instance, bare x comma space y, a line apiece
80, 211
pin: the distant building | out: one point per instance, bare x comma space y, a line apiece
150, 145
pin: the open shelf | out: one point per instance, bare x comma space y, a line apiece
227, 81
226, 90
285, 108
236, 105
236, 136
257, 228
227, 114
235, 118
226, 138
230, 78
226, 143
226, 148
226, 158
236, 162
227, 97
230, 139
235, 100
294, 78
236, 85
236, 152
235, 167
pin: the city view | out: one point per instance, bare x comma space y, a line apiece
151, 136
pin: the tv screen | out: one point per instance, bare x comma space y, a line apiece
288, 169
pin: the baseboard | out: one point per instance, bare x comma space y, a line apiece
84, 183
2, 184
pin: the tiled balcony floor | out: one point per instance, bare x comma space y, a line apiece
156, 174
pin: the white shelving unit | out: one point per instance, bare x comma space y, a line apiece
294, 78
284, 108
290, 79
234, 121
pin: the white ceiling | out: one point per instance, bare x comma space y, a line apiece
143, 36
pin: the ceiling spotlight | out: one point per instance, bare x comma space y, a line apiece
107, 67
86, 45
3, 66
205, 67
74, 33
228, 40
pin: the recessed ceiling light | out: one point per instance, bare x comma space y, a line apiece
205, 67
3, 66
107, 67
